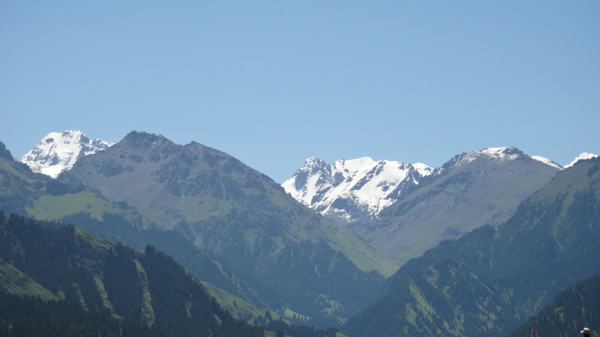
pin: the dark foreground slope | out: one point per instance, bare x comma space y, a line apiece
33, 317
147, 287
491, 280
569, 312
314, 268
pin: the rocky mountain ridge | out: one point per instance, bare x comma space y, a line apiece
352, 192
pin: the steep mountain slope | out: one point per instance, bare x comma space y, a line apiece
352, 192
58, 151
492, 279
469, 191
569, 312
147, 287
243, 218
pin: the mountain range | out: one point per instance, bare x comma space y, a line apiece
277, 254
404, 209
400, 209
456, 231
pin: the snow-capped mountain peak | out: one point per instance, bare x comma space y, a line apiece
499, 154
353, 190
423, 169
581, 156
58, 151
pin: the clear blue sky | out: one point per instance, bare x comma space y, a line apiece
275, 82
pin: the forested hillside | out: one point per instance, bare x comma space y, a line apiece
32, 317
148, 287
569, 312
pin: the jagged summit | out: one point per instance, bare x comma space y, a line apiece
58, 151
142, 139
355, 190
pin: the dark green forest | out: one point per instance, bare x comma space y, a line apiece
33, 317
569, 312
147, 287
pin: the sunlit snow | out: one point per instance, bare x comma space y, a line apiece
58, 151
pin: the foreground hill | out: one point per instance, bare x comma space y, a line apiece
314, 268
471, 190
492, 279
78, 267
569, 312
33, 317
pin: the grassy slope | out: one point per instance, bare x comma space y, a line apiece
13, 281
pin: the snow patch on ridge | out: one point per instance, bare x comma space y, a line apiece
548, 162
581, 156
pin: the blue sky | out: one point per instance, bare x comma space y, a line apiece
275, 82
